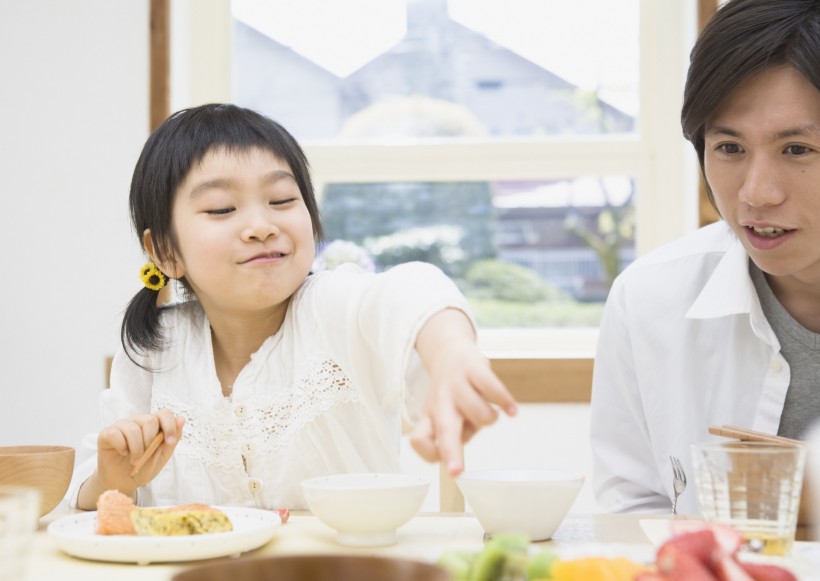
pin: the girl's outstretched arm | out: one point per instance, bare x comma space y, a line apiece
464, 391
121, 445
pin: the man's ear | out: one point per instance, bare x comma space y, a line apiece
170, 267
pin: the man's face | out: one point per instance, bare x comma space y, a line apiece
762, 162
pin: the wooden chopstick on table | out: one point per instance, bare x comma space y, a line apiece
747, 435
152, 447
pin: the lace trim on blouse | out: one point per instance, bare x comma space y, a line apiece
214, 435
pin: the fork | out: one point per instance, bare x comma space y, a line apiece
678, 481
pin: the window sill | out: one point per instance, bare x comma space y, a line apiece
543, 365
538, 343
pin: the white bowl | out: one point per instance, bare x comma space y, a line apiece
365, 509
530, 502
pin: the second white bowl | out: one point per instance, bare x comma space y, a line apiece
530, 502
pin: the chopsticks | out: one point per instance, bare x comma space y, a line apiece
747, 435
152, 447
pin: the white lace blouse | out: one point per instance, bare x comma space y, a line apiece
328, 393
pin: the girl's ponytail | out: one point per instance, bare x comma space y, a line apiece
141, 330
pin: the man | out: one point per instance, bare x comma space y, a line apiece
723, 326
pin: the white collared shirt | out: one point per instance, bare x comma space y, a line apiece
683, 345
328, 393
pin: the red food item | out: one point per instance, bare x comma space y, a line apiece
114, 514
763, 572
729, 540
700, 544
651, 576
194, 506
706, 552
728, 569
681, 566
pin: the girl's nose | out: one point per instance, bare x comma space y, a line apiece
259, 228
762, 184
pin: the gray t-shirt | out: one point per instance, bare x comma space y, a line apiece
801, 349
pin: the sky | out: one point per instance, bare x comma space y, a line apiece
590, 43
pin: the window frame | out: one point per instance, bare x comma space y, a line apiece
656, 156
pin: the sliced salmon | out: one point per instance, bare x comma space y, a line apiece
114, 514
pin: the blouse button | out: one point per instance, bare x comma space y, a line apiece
247, 448
776, 365
240, 410
254, 485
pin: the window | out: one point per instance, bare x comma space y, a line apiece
438, 68
554, 136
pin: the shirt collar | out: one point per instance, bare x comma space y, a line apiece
730, 291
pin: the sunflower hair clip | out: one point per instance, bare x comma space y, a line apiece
152, 276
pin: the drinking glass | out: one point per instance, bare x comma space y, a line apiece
753, 487
19, 516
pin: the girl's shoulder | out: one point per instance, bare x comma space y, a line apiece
354, 274
340, 278
348, 286
348, 281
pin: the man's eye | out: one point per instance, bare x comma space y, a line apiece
798, 150
729, 148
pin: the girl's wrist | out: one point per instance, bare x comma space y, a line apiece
93, 487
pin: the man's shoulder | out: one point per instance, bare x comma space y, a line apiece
676, 273
705, 245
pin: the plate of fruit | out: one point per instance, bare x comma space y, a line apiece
695, 551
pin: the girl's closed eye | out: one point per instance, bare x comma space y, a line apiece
219, 211
283, 202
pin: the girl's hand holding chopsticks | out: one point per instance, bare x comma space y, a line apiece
130, 453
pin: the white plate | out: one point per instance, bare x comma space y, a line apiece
252, 528
657, 530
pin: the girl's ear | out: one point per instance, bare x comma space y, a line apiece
170, 267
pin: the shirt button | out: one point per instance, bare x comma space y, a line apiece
247, 448
254, 485
776, 365
240, 410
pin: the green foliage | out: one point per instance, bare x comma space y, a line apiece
565, 313
506, 281
340, 252
438, 245
615, 227
399, 218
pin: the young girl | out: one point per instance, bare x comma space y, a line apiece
267, 374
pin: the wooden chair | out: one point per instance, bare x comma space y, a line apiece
531, 380
107, 380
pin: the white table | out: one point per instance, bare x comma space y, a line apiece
423, 538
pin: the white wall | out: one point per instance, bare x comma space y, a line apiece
542, 437
73, 118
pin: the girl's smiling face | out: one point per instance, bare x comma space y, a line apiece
762, 161
244, 237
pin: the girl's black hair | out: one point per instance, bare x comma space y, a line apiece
173, 148
746, 37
